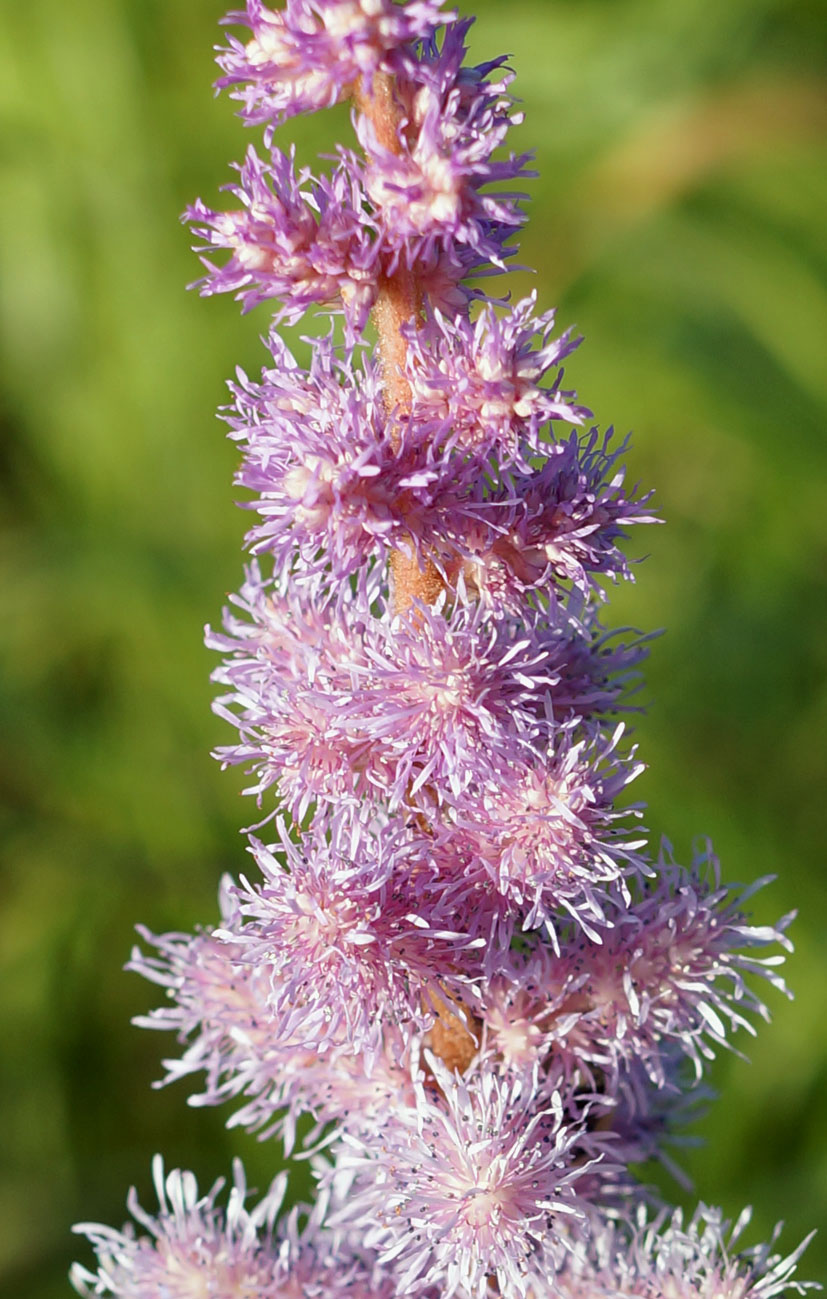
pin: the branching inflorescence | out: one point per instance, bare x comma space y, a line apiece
454, 952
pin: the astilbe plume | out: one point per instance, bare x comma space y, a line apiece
456, 953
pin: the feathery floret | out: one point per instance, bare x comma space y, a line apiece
469, 1186
295, 238
311, 53
673, 1259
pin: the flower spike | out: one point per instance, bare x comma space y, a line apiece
456, 980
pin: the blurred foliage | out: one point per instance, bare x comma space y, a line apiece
679, 220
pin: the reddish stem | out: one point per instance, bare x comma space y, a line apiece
399, 301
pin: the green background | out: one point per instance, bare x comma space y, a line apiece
679, 221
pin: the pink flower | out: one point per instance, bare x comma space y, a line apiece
309, 54
482, 381
470, 1186
294, 238
433, 192
699, 1259
457, 956
193, 1247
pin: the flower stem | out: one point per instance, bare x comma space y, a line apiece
398, 302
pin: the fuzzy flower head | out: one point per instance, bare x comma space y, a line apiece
352, 934
341, 481
675, 970
666, 976
483, 380
432, 192
669, 1258
471, 1185
334, 701
192, 1247
288, 669
557, 527
317, 454
294, 239
220, 1007
450, 695
308, 994
312, 53
547, 836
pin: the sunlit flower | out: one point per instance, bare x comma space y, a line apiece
470, 1186
294, 238
672, 1259
192, 1247
433, 191
309, 54
456, 982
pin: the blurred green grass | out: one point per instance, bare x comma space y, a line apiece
679, 221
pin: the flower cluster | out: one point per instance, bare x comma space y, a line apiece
313, 52
457, 953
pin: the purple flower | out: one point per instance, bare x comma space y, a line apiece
294, 238
348, 936
470, 1186
289, 669
311, 53
559, 525
544, 833
193, 1247
341, 481
338, 701
670, 970
221, 1006
482, 380
457, 958
668, 1257
351, 931
431, 192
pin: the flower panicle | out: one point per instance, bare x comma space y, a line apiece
456, 978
